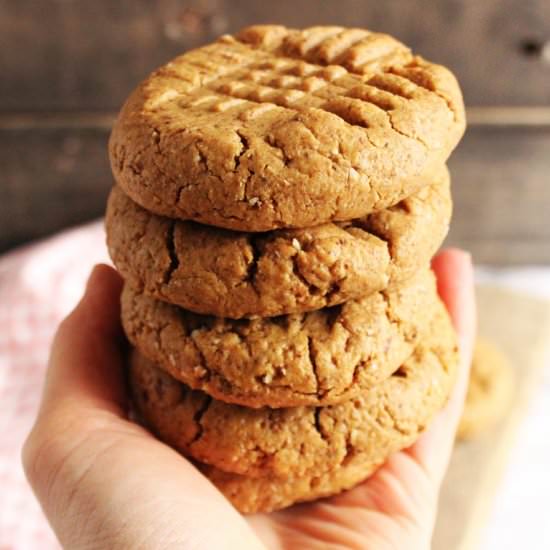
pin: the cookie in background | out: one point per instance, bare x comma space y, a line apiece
490, 391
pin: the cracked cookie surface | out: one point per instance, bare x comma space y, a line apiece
229, 274
277, 127
311, 444
490, 390
320, 357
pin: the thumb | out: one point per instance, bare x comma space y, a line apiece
102, 481
86, 359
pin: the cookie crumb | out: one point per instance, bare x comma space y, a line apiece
296, 244
199, 372
354, 436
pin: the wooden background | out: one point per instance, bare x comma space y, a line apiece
67, 65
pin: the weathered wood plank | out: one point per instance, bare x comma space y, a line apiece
501, 188
60, 55
52, 178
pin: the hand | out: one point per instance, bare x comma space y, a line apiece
105, 482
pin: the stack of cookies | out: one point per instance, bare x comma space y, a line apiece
280, 194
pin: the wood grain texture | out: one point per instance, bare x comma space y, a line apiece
55, 177
50, 179
501, 190
70, 55
89, 55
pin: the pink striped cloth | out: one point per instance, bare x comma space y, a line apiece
39, 285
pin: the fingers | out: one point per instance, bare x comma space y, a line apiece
455, 284
102, 481
86, 358
455, 279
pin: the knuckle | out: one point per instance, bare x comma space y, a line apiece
44, 455
59, 449
28, 455
40, 456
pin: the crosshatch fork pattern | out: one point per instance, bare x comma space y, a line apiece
363, 90
276, 128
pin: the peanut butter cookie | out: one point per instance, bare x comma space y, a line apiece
320, 357
278, 127
227, 274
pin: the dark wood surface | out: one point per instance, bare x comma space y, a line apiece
60, 55
65, 68
501, 190
51, 178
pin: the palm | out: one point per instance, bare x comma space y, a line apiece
394, 508
390, 510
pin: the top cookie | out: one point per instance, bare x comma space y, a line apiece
277, 127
